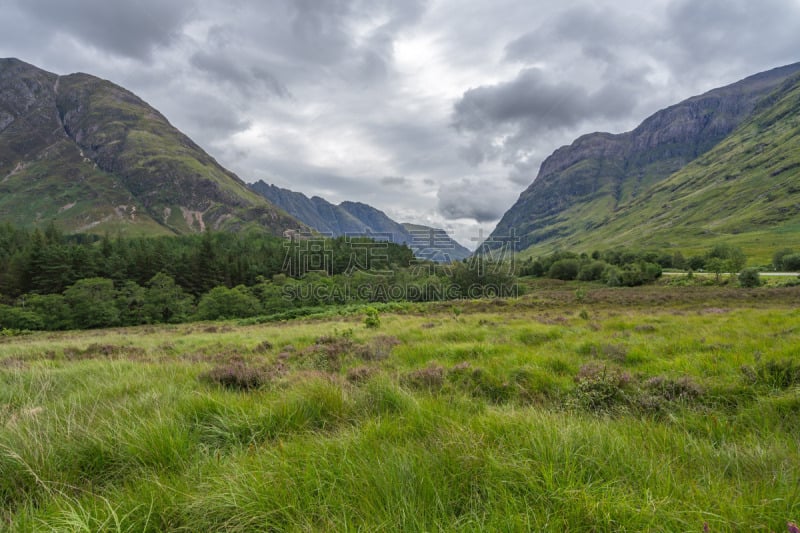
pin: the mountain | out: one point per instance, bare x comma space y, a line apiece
695, 172
91, 156
355, 218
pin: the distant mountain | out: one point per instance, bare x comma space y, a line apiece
723, 165
354, 218
91, 156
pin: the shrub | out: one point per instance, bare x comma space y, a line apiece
361, 374
479, 383
791, 262
612, 277
592, 271
430, 378
237, 376
776, 374
681, 389
600, 388
222, 302
378, 348
14, 318
327, 354
749, 277
373, 319
777, 258
564, 269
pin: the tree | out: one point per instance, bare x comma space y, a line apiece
750, 277
222, 302
733, 255
592, 271
777, 258
53, 309
92, 302
791, 262
130, 302
16, 318
715, 265
564, 269
165, 301
678, 261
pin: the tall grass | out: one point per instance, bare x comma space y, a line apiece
476, 421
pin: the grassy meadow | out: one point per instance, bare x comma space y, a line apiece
656, 408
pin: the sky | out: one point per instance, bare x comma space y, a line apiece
438, 112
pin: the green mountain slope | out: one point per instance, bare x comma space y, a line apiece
355, 218
745, 191
93, 157
582, 188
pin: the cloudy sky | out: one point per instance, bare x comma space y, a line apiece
435, 111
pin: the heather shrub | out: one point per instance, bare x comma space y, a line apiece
237, 376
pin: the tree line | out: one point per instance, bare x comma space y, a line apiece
53, 281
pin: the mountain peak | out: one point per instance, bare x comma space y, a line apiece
90, 155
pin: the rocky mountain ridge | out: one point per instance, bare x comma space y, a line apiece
581, 186
91, 156
356, 218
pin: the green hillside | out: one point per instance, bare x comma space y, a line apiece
720, 167
90, 156
745, 191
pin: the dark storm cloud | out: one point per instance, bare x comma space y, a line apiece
535, 99
505, 118
130, 29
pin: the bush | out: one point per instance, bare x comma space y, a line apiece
749, 277
222, 302
681, 389
777, 258
791, 262
372, 320
14, 318
430, 378
776, 374
600, 388
564, 269
92, 302
237, 376
592, 271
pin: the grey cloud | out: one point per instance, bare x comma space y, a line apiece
532, 98
481, 200
504, 120
209, 113
737, 31
393, 181
586, 26
130, 29
223, 69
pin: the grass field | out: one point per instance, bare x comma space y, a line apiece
657, 408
